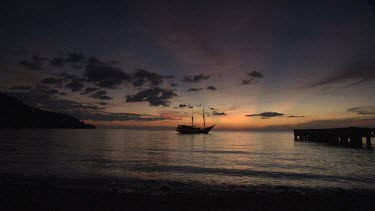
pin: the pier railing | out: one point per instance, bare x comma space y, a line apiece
351, 136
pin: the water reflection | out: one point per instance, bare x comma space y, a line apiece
237, 158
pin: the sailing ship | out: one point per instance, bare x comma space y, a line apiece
187, 129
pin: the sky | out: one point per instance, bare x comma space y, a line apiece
249, 64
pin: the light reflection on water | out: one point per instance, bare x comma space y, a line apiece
234, 158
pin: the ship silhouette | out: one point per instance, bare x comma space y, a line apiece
187, 129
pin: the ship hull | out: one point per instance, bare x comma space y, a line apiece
194, 130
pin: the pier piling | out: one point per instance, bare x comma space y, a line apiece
368, 142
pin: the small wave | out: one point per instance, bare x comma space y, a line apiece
249, 173
198, 151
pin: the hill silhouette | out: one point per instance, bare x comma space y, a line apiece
15, 114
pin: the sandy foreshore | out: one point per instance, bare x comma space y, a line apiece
25, 193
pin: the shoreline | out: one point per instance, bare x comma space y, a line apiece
46, 193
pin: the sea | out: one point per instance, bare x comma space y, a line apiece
135, 159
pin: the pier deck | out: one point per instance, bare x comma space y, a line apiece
351, 136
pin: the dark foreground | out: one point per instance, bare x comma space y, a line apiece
54, 194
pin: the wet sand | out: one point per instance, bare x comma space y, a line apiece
25, 193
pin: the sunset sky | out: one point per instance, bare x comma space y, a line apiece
251, 64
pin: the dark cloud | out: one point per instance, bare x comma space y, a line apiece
89, 90
42, 97
52, 103
102, 103
63, 94
79, 110
255, 74
75, 85
174, 84
351, 74
143, 77
185, 106
156, 96
45, 90
53, 80
73, 82
212, 88
194, 89
96, 72
57, 61
68, 76
368, 110
37, 90
101, 95
252, 78
36, 63
216, 113
21, 87
74, 59
195, 78
295, 116
267, 115
104, 75
107, 116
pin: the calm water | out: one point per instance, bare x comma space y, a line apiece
220, 158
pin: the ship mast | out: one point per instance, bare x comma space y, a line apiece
192, 118
204, 119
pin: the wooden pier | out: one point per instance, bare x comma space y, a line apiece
351, 136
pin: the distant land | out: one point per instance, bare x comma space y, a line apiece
15, 114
